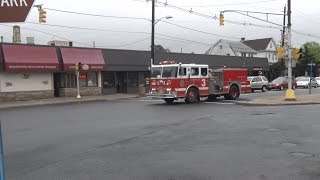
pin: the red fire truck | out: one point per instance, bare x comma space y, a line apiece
170, 81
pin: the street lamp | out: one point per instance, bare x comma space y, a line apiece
153, 23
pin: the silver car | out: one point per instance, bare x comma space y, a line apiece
318, 80
304, 82
258, 83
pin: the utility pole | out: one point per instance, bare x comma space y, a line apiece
152, 33
290, 94
284, 27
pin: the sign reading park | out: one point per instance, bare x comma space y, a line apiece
14, 10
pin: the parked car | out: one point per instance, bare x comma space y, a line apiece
318, 80
258, 83
304, 82
281, 83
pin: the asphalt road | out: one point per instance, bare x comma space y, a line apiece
144, 139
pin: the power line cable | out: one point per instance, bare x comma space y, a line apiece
89, 29
135, 42
233, 4
48, 34
203, 32
96, 15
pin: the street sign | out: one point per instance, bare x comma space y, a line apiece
311, 64
14, 10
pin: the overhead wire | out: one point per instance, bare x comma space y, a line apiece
232, 22
30, 29
95, 15
232, 4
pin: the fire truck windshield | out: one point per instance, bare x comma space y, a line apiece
164, 72
169, 72
156, 72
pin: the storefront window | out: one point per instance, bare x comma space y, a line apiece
69, 80
89, 79
133, 79
109, 80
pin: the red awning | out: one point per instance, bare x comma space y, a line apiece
91, 58
30, 58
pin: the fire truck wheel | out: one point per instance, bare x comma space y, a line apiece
192, 96
169, 101
234, 93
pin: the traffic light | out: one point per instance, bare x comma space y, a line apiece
297, 54
280, 53
78, 66
42, 16
221, 20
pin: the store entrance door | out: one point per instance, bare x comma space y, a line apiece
56, 83
121, 82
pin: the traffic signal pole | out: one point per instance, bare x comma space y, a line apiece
290, 94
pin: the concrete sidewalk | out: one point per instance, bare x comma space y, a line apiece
65, 100
303, 99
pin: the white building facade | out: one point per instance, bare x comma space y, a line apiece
266, 48
231, 48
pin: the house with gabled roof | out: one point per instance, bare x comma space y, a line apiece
231, 48
266, 48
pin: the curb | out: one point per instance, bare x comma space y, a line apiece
62, 102
281, 104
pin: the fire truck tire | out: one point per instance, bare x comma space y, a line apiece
169, 101
234, 93
192, 96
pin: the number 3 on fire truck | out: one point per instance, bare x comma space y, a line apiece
203, 82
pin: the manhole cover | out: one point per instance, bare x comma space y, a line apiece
287, 144
301, 154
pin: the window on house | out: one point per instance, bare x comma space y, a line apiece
228, 54
270, 45
220, 46
243, 54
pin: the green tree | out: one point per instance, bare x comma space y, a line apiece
308, 56
276, 69
314, 49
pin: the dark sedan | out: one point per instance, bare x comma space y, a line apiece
281, 83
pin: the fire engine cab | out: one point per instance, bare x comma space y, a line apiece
170, 81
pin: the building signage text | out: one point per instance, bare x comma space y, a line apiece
32, 67
13, 3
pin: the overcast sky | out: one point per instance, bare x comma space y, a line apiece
175, 33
